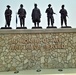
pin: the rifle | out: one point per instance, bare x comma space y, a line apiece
67, 16
16, 20
55, 13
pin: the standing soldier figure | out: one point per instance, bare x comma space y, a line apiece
22, 15
63, 13
8, 13
36, 15
50, 13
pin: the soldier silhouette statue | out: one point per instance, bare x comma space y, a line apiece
8, 13
50, 13
36, 15
22, 15
64, 14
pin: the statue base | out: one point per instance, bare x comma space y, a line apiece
21, 27
6, 27
36, 27
66, 27
51, 27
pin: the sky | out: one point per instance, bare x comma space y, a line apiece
42, 5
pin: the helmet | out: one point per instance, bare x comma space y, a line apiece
63, 6
49, 5
8, 6
35, 4
21, 5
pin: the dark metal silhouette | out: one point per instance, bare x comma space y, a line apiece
63, 13
36, 15
50, 13
8, 13
22, 15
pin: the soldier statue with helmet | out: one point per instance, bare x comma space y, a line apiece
8, 13
22, 15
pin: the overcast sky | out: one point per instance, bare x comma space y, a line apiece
42, 5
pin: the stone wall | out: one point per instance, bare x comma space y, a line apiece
33, 49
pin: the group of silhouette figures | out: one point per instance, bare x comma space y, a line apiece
36, 15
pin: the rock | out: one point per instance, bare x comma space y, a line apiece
69, 56
25, 61
21, 56
42, 59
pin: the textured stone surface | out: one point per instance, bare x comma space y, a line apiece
37, 50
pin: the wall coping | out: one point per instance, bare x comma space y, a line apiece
52, 30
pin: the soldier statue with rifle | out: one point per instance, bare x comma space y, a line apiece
50, 13
64, 14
